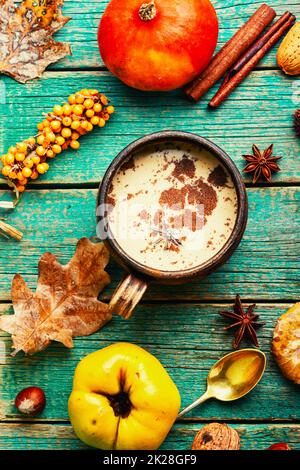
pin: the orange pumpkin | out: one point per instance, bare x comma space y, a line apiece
160, 45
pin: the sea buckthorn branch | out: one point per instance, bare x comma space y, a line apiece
59, 130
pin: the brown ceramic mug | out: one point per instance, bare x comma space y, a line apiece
133, 286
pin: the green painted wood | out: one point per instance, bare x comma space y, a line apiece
81, 32
265, 266
62, 437
186, 336
241, 121
187, 339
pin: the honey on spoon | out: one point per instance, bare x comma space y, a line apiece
232, 377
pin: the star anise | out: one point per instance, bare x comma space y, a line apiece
261, 163
167, 236
244, 321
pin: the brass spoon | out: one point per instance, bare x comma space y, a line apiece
232, 377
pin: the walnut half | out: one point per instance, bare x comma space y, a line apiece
216, 436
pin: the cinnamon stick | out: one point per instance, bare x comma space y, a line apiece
6, 205
231, 52
244, 71
11, 231
257, 46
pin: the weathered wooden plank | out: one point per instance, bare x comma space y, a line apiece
62, 437
81, 32
188, 339
265, 266
260, 111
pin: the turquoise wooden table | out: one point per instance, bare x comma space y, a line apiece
181, 326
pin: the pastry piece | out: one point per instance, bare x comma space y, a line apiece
286, 343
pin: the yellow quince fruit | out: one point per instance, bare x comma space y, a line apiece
123, 398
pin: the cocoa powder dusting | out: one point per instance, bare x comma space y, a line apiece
144, 215
184, 168
203, 194
173, 198
218, 177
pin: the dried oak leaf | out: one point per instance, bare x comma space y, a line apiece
26, 44
65, 303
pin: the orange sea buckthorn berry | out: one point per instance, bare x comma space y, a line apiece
79, 99
50, 154
95, 120
55, 125
74, 144
3, 159
75, 136
40, 139
67, 110
24, 181
36, 160
31, 141
41, 168
72, 99
56, 148
21, 188
34, 175
101, 122
21, 147
110, 109
5, 170
28, 163
84, 124
78, 110
97, 107
20, 156
67, 121
50, 136
40, 151
60, 140
20, 176
9, 159
88, 103
90, 127
58, 110
46, 123
66, 132
90, 113
26, 172
12, 174
75, 125
40, 126
103, 99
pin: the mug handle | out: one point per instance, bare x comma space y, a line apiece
127, 295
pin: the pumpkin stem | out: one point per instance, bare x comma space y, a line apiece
147, 11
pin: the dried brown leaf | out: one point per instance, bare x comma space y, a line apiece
26, 44
65, 303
